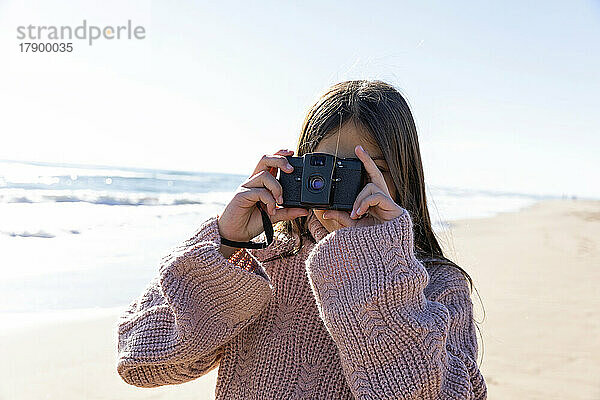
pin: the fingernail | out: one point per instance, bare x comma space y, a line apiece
325, 216
353, 213
289, 166
360, 147
280, 199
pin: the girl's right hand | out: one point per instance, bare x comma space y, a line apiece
241, 220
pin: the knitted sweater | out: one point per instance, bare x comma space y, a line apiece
353, 315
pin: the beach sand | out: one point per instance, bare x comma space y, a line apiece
536, 272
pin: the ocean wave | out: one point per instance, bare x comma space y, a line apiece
112, 198
38, 234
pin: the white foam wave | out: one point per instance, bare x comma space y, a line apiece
39, 234
112, 198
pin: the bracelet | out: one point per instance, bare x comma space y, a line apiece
268, 227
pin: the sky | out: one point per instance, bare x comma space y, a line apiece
504, 94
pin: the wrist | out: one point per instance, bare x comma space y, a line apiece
229, 236
226, 251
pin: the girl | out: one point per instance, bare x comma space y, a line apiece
340, 305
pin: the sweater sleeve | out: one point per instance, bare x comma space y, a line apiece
198, 301
393, 342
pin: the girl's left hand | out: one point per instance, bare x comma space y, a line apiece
373, 205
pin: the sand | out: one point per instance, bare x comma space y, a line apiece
536, 272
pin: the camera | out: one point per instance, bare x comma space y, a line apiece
322, 181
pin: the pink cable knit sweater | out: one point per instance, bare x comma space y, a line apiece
353, 316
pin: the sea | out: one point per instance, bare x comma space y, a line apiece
82, 240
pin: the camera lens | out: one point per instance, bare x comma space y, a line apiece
316, 182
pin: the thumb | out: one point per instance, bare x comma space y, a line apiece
341, 217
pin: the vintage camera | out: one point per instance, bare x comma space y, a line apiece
316, 182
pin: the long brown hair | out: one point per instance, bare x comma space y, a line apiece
382, 110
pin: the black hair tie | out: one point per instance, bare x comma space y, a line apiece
267, 225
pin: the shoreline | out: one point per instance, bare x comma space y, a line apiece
92, 277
